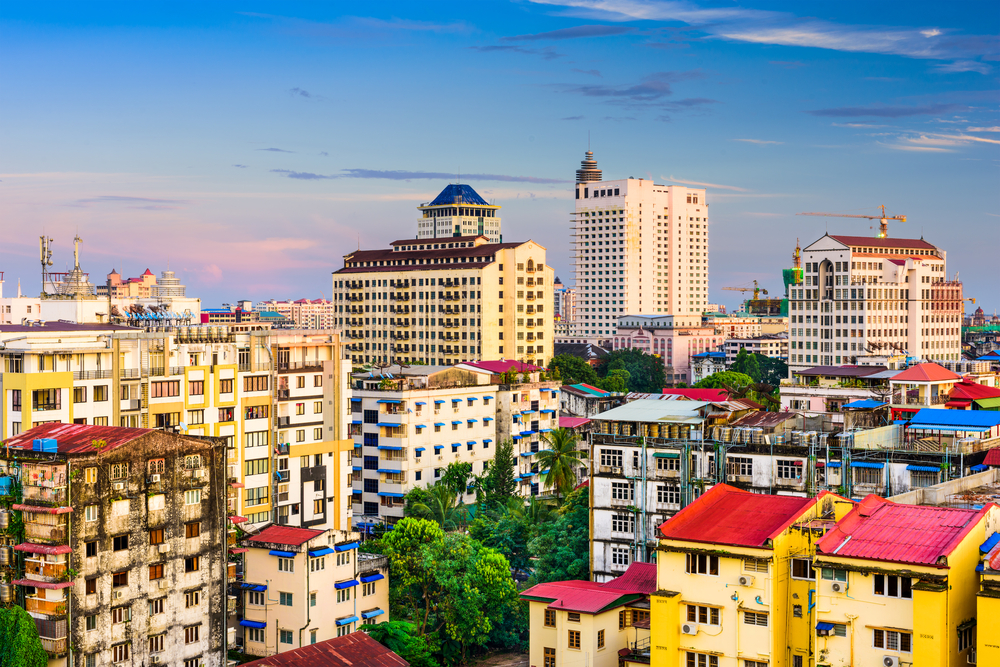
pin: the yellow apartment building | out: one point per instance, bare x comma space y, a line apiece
987, 645
303, 586
729, 590
588, 624
444, 301
897, 585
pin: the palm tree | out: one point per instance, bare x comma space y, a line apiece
439, 506
560, 461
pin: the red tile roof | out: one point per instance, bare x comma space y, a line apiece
727, 515
354, 650
77, 438
638, 578
970, 390
698, 394
588, 597
992, 457
870, 242
284, 535
926, 373
881, 530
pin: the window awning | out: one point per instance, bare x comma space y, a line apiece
355, 421
390, 448
345, 547
834, 464
438, 402
346, 620
979, 467
372, 614
456, 422
253, 624
257, 588
350, 583
440, 424
473, 398
515, 437
51, 585
548, 410
420, 426
438, 448
356, 468
44, 548
527, 412
419, 449
283, 554
367, 579
456, 444
388, 400
916, 468
666, 455
487, 419
388, 471
866, 464
487, 440
355, 400
320, 552
472, 420
545, 430
237, 519
487, 398
826, 627
527, 454
389, 494
388, 424
471, 442
421, 403
456, 400
527, 433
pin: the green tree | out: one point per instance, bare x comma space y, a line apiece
400, 637
19, 643
617, 381
772, 371
436, 503
498, 484
562, 547
508, 533
747, 364
573, 370
560, 459
456, 477
645, 371
724, 380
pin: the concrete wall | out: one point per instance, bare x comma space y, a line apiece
939, 493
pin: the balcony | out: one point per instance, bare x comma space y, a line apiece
48, 607
46, 494
91, 375
789, 482
281, 475
45, 569
54, 647
128, 373
282, 448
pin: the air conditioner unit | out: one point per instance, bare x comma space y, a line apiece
199, 473
154, 659
820, 632
689, 628
117, 595
163, 584
164, 548
839, 587
746, 580
616, 470
119, 486
890, 661
730, 478
154, 479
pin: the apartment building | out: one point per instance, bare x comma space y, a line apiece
668, 337
744, 325
459, 211
774, 346
354, 650
304, 586
302, 313
446, 301
861, 294
704, 364
120, 557
732, 581
584, 622
638, 247
408, 425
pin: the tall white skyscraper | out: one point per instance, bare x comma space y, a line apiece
459, 211
638, 248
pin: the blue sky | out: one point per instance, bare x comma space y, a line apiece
252, 145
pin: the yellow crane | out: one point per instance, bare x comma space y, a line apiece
883, 219
756, 289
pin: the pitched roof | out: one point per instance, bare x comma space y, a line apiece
354, 650
762, 419
284, 535
655, 410
870, 242
698, 394
992, 457
77, 438
879, 529
638, 578
955, 420
727, 515
455, 193
929, 372
970, 390
587, 389
588, 597
572, 422
440, 239
842, 371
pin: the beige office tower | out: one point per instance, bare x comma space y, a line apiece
638, 248
459, 211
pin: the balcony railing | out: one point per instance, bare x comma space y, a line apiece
44, 533
91, 375
45, 494
44, 568
53, 646
41, 606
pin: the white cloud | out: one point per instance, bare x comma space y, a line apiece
933, 32
704, 185
995, 128
759, 142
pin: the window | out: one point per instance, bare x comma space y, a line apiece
256, 438
119, 579
156, 606
286, 564
257, 466
256, 412
368, 589
739, 465
318, 433
226, 387
344, 630
255, 383
669, 494
574, 639
255, 598
622, 523
611, 457
839, 630
90, 549
789, 469
165, 389
573, 617
156, 536
621, 491
156, 643
156, 571
91, 475
550, 618
891, 640
227, 414
668, 464
755, 565
702, 564
119, 471
79, 394
192, 496
702, 614
119, 653
46, 399
834, 575
550, 657
196, 387
892, 586
121, 614
191, 564
701, 660
755, 618
966, 637
312, 637
600, 639
156, 466
101, 393
759, 663
191, 634
317, 564
92, 586
343, 594
300, 382
318, 506
802, 568
620, 555
285, 599
119, 542
796, 661
256, 635
191, 598
90, 622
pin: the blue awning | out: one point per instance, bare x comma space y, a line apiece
487, 440
387, 470
527, 412
527, 475
372, 614
420, 426
283, 554
487, 419
527, 433
247, 586
979, 467
356, 468
866, 464
390, 448
350, 583
515, 437
345, 547
389, 494
548, 410
988, 545
388, 400
456, 422
866, 404
440, 424
253, 624
355, 421
917, 468
471, 442
527, 454
353, 400
545, 430
834, 464
368, 578
456, 444
472, 420
473, 398
321, 552
438, 448
955, 420
421, 403
487, 398
438, 402
456, 400
345, 621
824, 626
388, 424
419, 449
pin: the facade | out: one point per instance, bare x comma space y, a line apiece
584, 400
525, 413
987, 649
169, 286
827, 389
861, 294
668, 337
743, 325
306, 586
302, 313
442, 302
638, 247
774, 346
459, 211
121, 558
704, 364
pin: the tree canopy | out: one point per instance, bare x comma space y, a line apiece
19, 643
574, 370
724, 380
562, 547
560, 460
498, 484
645, 371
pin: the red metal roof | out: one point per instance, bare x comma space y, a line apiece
727, 515
54, 585
354, 650
698, 394
925, 373
881, 530
588, 597
51, 549
992, 457
970, 390
638, 578
993, 558
38, 509
78, 438
285, 535
870, 242
572, 422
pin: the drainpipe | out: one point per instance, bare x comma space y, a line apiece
308, 607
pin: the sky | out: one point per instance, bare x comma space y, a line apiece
250, 146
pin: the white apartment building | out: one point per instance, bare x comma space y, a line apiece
303, 313
638, 247
459, 211
408, 424
773, 345
861, 294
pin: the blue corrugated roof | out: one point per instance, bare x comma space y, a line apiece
979, 467
866, 464
865, 404
459, 194
955, 420
991, 542
916, 468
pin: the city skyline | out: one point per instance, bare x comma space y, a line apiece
257, 145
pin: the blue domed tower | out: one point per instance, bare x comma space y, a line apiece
459, 211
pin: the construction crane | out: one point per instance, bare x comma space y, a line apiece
756, 289
883, 231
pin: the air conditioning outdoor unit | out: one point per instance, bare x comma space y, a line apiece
689, 628
164, 548
616, 470
746, 580
119, 486
839, 587
890, 661
199, 473
116, 595
730, 478
971, 658
154, 659
163, 584
154, 479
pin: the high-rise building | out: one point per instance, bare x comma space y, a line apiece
860, 295
445, 301
169, 285
459, 211
639, 248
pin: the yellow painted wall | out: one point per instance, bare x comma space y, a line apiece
588, 655
987, 639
